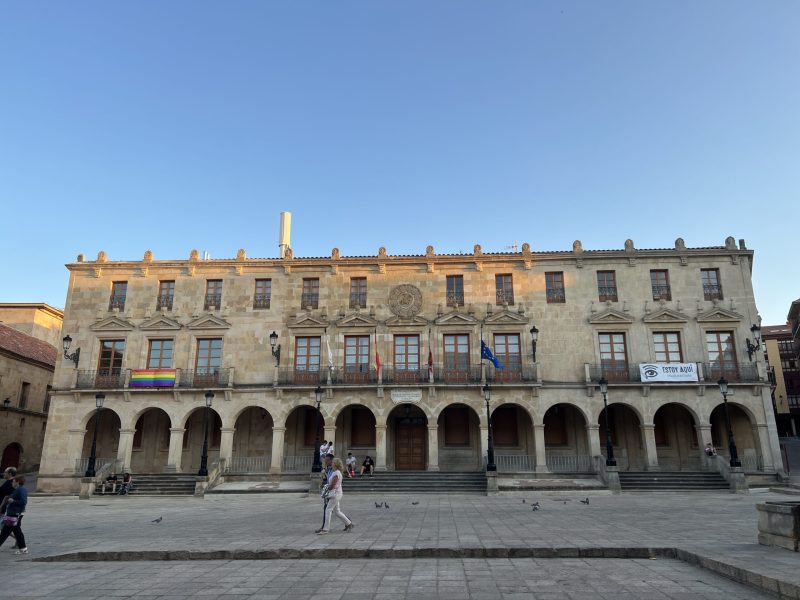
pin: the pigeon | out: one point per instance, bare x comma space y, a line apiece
415, 503
158, 520
386, 505
523, 500
535, 507
378, 505
585, 501
535, 504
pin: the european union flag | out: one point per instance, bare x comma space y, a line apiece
486, 354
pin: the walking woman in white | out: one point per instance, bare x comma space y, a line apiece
335, 499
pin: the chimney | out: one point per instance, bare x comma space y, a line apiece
284, 233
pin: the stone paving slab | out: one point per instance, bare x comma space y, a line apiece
474, 579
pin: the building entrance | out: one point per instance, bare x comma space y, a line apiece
410, 444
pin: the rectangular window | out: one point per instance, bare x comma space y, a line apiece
455, 290
310, 297
721, 355
166, 294
24, 390
209, 355
659, 282
362, 428
456, 357
507, 351
109, 366
667, 347
456, 426
613, 356
607, 286
712, 289
406, 358
119, 290
159, 354
263, 293
306, 360
47, 396
554, 283
356, 358
213, 294
504, 426
504, 290
358, 292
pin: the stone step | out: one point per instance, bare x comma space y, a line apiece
675, 481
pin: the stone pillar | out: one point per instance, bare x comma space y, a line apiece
650, 450
761, 433
175, 453
276, 463
125, 448
484, 445
226, 443
380, 447
770, 446
593, 433
703, 438
541, 451
74, 450
433, 447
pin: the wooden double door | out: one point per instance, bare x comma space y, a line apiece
410, 445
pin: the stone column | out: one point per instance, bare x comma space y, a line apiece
380, 447
593, 433
650, 450
541, 450
226, 443
125, 448
484, 444
761, 433
433, 447
703, 438
276, 463
175, 453
74, 450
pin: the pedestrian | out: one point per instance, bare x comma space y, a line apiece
323, 449
368, 465
6, 488
710, 450
335, 500
327, 470
14, 507
350, 463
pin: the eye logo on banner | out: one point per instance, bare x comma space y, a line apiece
649, 371
668, 372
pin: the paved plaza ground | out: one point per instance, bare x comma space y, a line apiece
442, 547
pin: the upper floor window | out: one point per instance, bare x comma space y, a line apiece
659, 282
307, 360
166, 294
356, 358
310, 297
613, 356
721, 355
712, 289
47, 396
455, 290
406, 353
507, 350
456, 353
209, 355
607, 286
119, 290
554, 283
24, 390
159, 354
358, 292
109, 366
263, 294
504, 288
667, 347
213, 294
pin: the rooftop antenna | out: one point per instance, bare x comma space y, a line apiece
284, 233
513, 247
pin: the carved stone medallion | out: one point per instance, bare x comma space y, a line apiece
405, 300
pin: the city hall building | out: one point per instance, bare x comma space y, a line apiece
393, 343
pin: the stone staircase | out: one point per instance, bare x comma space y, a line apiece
162, 484
672, 481
417, 482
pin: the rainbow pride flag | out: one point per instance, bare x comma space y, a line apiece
148, 378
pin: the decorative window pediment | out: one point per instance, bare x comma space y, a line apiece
456, 318
357, 320
719, 315
160, 323
208, 322
113, 323
415, 321
666, 315
506, 317
610, 317
308, 321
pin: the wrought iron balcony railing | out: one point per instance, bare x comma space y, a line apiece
261, 301
203, 378
358, 300
457, 374
410, 375
313, 376
556, 296
504, 297
712, 291
309, 300
212, 300
513, 373
101, 379
354, 374
618, 372
455, 298
164, 301
732, 371
117, 301
607, 293
661, 292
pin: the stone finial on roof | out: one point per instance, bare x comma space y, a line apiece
429, 251
730, 243
335, 253
102, 256
148, 256
81, 257
526, 248
289, 254
577, 247
477, 250
679, 244
194, 255
382, 251
241, 254
629, 245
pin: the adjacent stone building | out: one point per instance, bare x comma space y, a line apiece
394, 345
782, 353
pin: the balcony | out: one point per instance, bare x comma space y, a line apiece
733, 372
503, 297
212, 302
662, 292
458, 374
607, 293
291, 376
511, 374
712, 291
204, 378
615, 373
404, 375
455, 299
309, 301
117, 302
358, 299
103, 379
355, 374
556, 296
164, 302
261, 301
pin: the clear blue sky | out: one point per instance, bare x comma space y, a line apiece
178, 125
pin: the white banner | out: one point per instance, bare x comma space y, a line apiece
668, 372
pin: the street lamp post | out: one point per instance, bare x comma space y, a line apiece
75, 357
723, 388
317, 465
534, 339
276, 348
90, 467
610, 460
490, 466
203, 472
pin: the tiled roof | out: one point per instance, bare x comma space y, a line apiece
26, 346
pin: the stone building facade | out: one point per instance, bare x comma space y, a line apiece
35, 319
156, 335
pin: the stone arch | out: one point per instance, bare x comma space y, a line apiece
676, 437
566, 438
150, 444
300, 437
252, 439
626, 435
582, 408
109, 424
407, 437
697, 417
513, 436
459, 438
431, 414
628, 405
355, 431
743, 425
194, 435
12, 456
